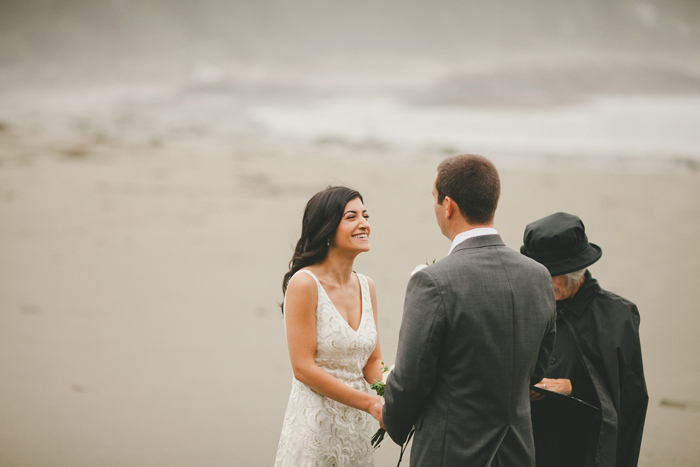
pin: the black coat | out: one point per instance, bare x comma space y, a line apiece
605, 330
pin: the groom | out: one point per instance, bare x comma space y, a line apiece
476, 333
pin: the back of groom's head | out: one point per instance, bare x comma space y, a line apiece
472, 182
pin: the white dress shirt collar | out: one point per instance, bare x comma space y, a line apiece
462, 236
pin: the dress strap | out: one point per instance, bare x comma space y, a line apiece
364, 285
366, 295
309, 273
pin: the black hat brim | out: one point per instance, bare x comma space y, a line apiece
575, 263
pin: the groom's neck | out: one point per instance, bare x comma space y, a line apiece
465, 226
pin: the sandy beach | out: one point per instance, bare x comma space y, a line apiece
140, 288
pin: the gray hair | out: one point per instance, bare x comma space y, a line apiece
575, 277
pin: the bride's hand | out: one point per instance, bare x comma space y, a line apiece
381, 416
375, 408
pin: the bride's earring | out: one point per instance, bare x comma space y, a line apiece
328, 242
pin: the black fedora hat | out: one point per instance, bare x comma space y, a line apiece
559, 242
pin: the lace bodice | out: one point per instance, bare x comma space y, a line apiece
318, 431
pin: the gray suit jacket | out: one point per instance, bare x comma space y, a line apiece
477, 330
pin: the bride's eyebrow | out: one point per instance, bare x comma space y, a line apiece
354, 212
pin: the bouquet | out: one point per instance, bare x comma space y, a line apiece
378, 387
421, 266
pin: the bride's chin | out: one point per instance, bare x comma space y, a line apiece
361, 245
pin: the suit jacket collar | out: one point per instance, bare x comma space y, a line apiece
479, 242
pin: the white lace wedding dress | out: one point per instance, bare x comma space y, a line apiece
319, 431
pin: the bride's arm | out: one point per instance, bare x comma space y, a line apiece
373, 369
300, 320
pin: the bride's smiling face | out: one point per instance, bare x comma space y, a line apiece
353, 230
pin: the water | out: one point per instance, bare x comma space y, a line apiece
662, 128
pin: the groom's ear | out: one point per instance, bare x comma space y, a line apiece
449, 206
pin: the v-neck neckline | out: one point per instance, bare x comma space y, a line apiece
362, 303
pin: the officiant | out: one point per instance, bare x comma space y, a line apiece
596, 357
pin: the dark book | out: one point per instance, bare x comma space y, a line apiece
567, 403
564, 429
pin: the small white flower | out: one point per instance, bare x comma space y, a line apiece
418, 268
386, 375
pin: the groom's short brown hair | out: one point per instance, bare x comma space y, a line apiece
472, 182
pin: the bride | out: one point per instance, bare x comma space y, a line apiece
330, 318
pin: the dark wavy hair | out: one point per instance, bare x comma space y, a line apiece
322, 215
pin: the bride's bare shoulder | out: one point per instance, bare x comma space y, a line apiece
301, 282
301, 295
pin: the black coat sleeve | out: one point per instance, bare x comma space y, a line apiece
633, 398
